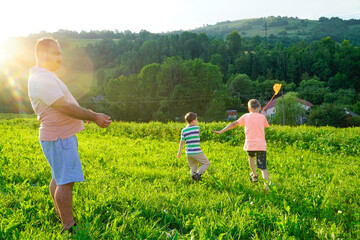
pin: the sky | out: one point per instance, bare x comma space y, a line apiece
23, 17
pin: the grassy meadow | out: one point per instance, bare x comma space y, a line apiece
136, 188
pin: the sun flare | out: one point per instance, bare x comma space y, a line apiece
4, 51
4, 55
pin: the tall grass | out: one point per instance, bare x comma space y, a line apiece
136, 188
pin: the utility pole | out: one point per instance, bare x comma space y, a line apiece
265, 29
283, 110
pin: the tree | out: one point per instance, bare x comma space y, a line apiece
216, 110
171, 74
205, 44
149, 52
216, 59
233, 41
189, 45
290, 87
342, 97
195, 84
328, 115
356, 107
148, 80
346, 60
219, 47
242, 64
313, 90
323, 58
148, 90
339, 81
241, 86
101, 80
265, 89
105, 53
345, 97
112, 89
269, 74
205, 81
295, 112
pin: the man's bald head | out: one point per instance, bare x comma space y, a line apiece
48, 53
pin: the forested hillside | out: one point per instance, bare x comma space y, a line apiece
288, 29
145, 76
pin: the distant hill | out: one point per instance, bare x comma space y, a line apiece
287, 28
276, 29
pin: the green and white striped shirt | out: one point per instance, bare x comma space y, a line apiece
191, 136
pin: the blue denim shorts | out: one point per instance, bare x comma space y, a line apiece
64, 160
260, 158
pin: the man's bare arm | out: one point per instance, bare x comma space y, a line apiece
77, 112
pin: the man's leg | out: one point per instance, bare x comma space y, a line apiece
64, 161
52, 188
63, 197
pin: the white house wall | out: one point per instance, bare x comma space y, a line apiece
271, 112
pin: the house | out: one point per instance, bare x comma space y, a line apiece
231, 114
350, 114
270, 110
96, 99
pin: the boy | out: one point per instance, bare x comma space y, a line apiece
255, 143
191, 136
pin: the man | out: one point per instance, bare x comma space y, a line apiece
61, 118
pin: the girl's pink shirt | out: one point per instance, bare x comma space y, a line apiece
254, 124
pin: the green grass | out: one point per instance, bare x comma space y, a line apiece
15, 115
136, 188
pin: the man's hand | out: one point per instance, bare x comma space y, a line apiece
178, 155
216, 132
102, 120
77, 112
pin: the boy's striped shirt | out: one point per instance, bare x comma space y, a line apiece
191, 136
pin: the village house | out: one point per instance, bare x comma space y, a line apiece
350, 114
269, 111
231, 115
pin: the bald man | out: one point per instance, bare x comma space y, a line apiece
61, 119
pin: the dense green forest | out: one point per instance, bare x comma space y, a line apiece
145, 76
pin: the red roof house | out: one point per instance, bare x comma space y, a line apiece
270, 110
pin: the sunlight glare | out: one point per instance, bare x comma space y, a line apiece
4, 55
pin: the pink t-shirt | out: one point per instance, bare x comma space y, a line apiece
44, 88
254, 131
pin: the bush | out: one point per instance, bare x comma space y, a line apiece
354, 122
326, 140
328, 115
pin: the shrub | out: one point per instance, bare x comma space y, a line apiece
328, 115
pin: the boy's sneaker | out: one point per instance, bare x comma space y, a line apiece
253, 178
71, 230
196, 177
